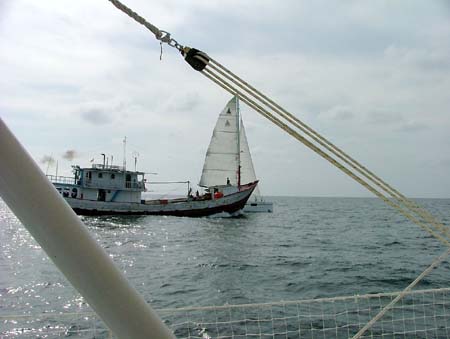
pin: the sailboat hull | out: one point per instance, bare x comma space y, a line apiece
230, 204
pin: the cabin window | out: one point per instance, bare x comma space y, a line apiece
128, 181
100, 174
89, 175
113, 176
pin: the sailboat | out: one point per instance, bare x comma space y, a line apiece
228, 159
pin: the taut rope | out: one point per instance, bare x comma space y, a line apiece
226, 79
233, 84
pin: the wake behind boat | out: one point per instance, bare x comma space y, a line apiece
112, 190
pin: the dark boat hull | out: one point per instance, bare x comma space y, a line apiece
230, 204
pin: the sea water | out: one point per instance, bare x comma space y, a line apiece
307, 248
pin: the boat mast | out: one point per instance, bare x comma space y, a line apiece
238, 142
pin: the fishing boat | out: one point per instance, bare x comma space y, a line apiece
104, 189
228, 158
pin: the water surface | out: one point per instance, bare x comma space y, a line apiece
307, 248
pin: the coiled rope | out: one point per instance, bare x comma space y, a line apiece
233, 84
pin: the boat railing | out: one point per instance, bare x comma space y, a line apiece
132, 184
114, 186
61, 179
106, 166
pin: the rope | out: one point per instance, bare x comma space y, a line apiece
167, 182
240, 306
229, 81
210, 75
255, 99
329, 146
436, 262
200, 61
160, 35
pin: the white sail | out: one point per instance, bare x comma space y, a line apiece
222, 156
247, 170
228, 157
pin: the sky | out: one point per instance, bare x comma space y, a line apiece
373, 77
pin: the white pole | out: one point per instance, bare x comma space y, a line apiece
67, 242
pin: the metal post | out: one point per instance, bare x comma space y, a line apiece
66, 240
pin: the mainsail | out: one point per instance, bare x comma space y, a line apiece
222, 157
228, 154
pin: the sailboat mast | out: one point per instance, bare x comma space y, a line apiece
238, 120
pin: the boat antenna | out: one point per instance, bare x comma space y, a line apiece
135, 156
125, 153
104, 159
111, 159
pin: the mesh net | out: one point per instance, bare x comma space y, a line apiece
420, 314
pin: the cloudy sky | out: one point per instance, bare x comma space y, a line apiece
371, 76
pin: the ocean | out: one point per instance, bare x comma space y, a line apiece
308, 248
